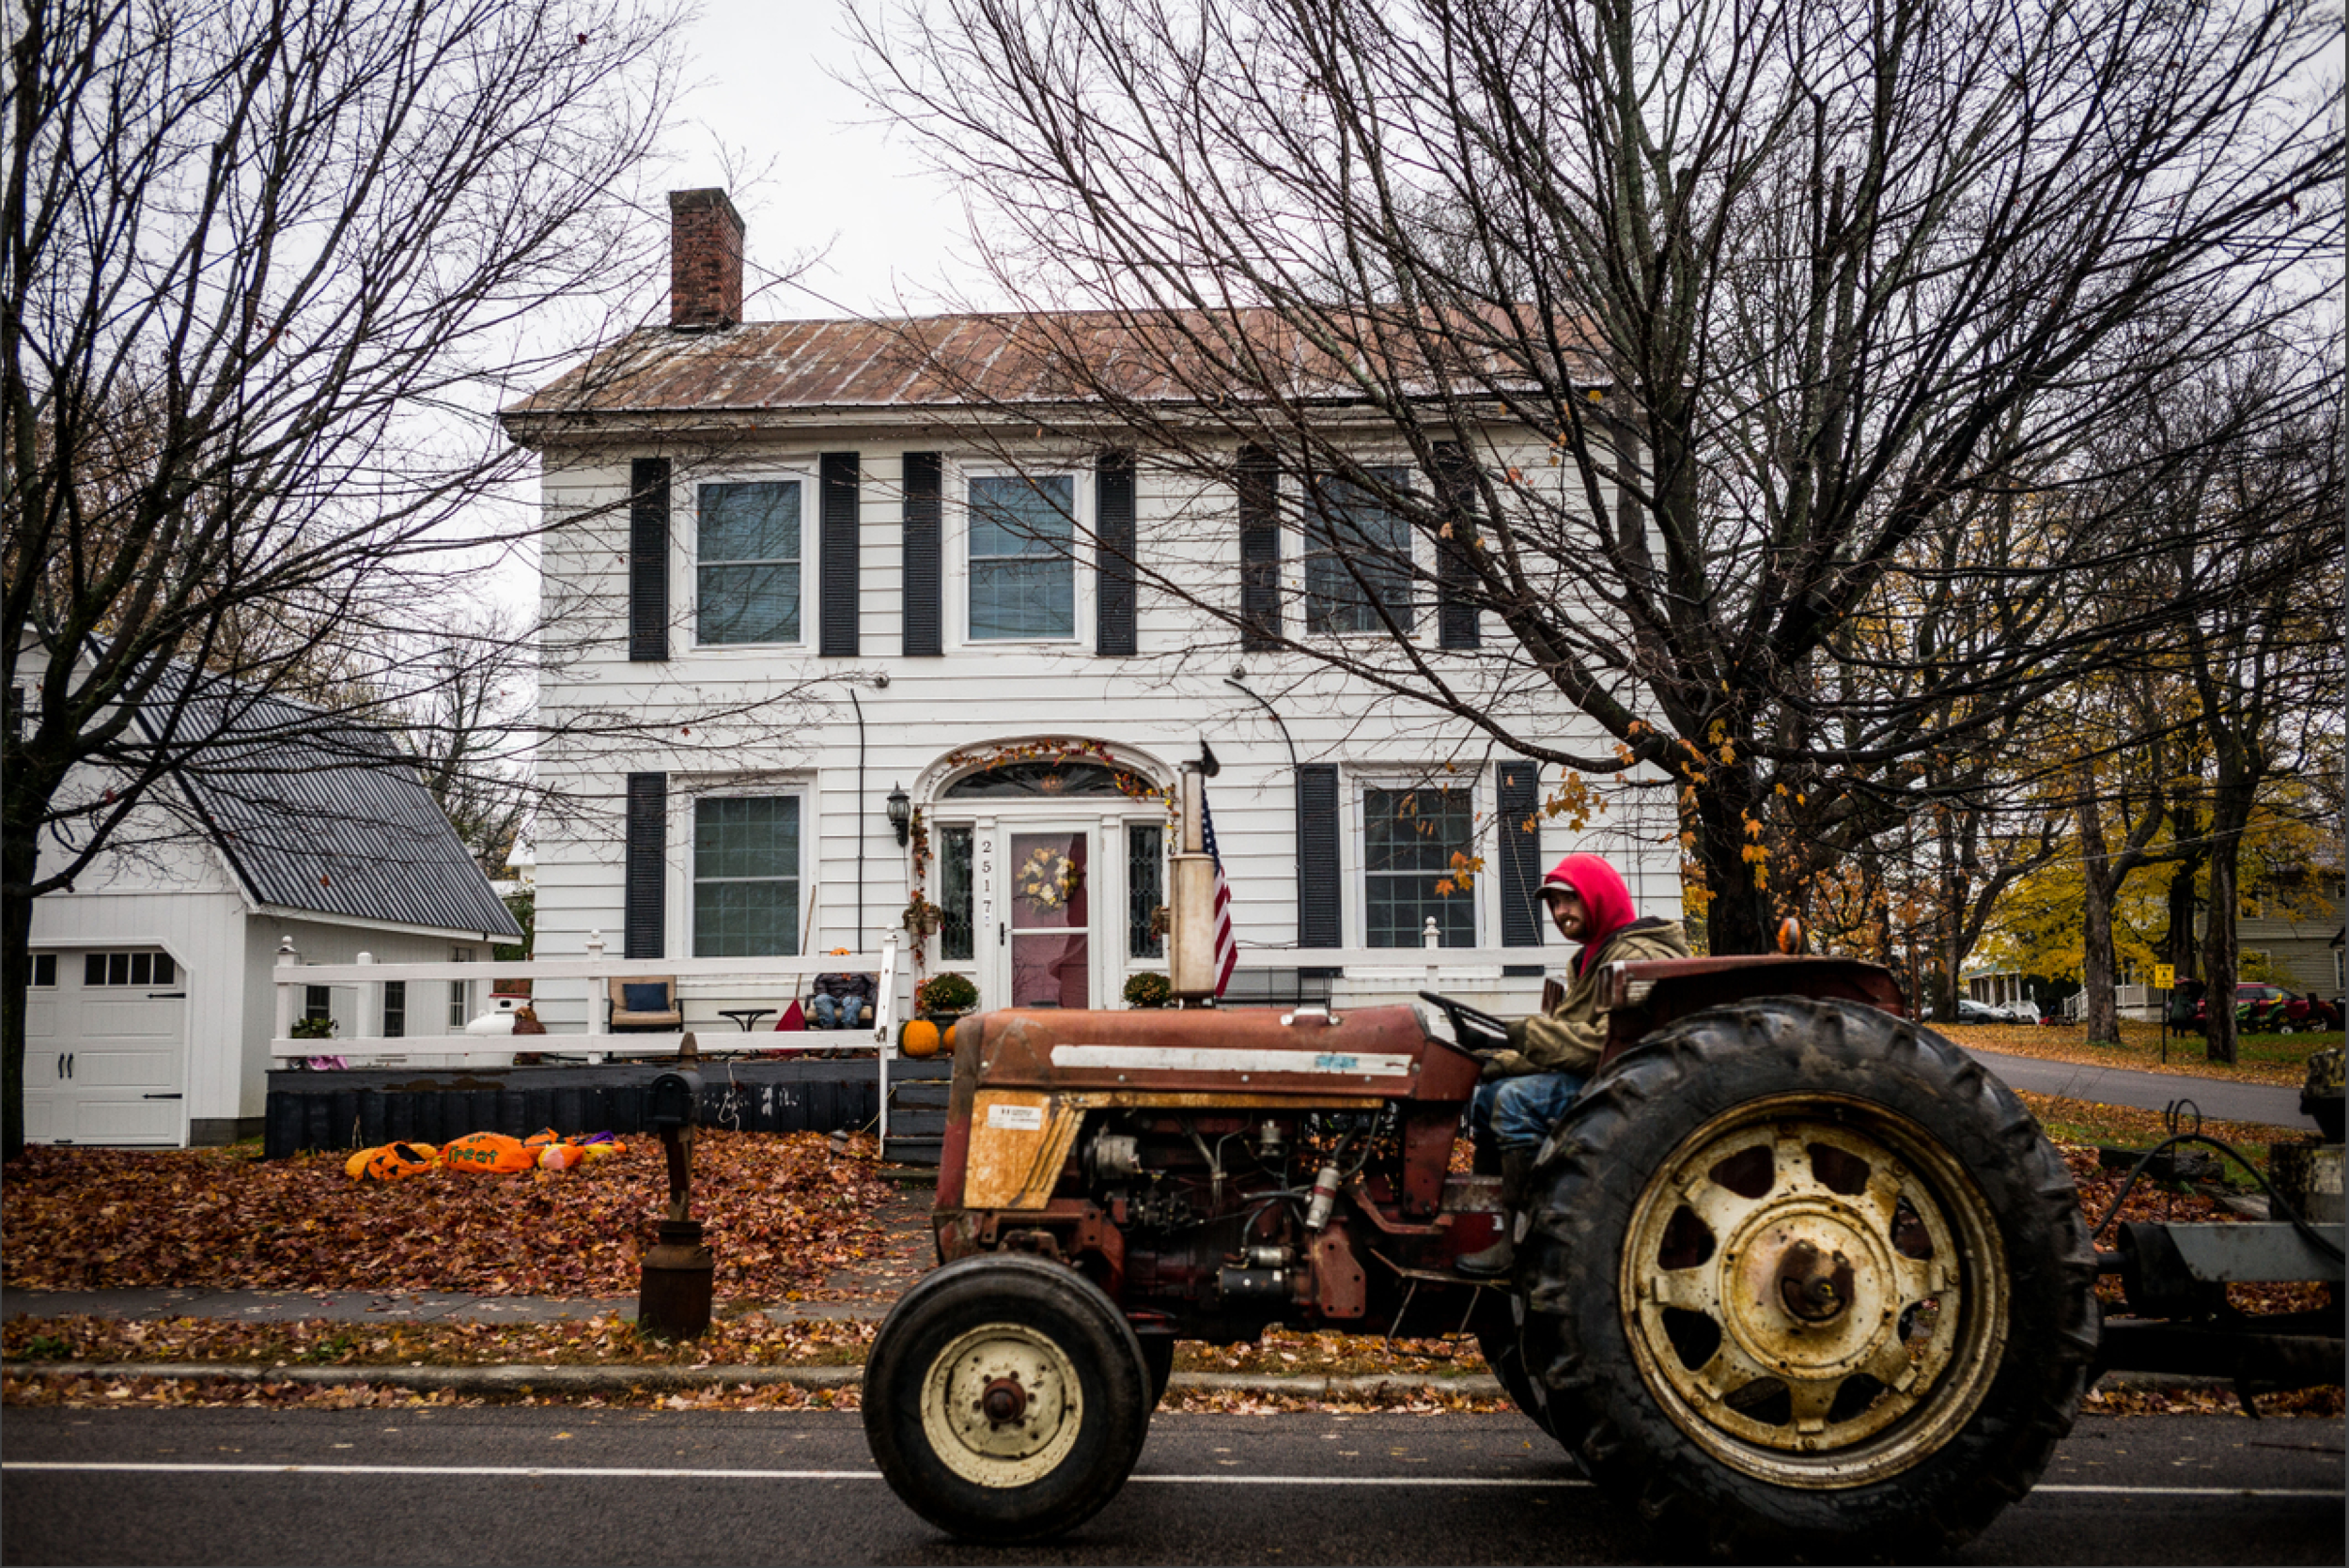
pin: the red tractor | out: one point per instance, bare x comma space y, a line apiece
1800, 1277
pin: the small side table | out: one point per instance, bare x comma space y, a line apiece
745, 1018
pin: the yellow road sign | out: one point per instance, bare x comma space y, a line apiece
2164, 977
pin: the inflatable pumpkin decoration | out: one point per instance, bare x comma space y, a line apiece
396, 1162
488, 1154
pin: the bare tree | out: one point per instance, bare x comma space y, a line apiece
1720, 330
270, 269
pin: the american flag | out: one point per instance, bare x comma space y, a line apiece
1227, 948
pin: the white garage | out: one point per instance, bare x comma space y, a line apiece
154, 979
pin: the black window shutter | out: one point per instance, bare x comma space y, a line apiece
1259, 549
644, 903
1455, 562
1113, 554
1519, 794
923, 472
648, 558
837, 478
1320, 901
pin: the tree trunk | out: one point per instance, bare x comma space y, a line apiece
2096, 960
2228, 820
2179, 943
1738, 919
18, 858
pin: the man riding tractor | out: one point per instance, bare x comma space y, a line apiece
1551, 1055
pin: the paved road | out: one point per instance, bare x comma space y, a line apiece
500, 1486
2218, 1099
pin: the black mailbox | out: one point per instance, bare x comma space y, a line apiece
674, 1101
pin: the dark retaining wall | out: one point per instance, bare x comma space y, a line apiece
359, 1108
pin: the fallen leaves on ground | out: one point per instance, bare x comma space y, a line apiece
780, 1212
2280, 1060
785, 1216
130, 1393
1304, 1352
597, 1341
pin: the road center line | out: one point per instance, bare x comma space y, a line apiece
649, 1473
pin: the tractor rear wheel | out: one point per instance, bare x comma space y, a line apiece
1805, 1280
1005, 1397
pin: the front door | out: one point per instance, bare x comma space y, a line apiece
1048, 953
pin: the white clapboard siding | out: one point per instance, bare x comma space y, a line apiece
1155, 706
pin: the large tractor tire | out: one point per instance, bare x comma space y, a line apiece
1804, 1281
1005, 1397
1497, 1336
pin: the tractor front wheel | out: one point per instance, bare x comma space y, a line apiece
1807, 1280
1005, 1397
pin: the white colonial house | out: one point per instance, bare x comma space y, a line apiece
744, 510
153, 993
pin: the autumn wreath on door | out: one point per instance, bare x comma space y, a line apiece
1047, 880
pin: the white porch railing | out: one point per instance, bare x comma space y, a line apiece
778, 977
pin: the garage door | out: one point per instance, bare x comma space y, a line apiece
106, 1047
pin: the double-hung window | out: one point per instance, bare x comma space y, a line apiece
1357, 555
746, 876
1021, 558
746, 577
1412, 843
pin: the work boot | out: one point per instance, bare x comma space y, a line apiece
1517, 1169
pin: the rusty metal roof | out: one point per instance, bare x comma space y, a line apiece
1032, 360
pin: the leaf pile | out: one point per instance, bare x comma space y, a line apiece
780, 1210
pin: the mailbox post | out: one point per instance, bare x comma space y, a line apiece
673, 1298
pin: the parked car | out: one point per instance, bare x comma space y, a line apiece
1970, 1011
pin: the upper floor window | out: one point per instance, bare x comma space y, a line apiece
1022, 559
1410, 839
1358, 557
746, 876
746, 580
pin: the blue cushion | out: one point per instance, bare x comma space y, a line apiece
652, 997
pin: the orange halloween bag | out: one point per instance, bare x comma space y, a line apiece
488, 1154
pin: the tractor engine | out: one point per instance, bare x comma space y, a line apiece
1215, 1172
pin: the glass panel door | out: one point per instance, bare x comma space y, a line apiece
1051, 926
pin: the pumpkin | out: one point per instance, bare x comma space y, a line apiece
488, 1154
920, 1038
396, 1162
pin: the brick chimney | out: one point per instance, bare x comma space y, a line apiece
705, 259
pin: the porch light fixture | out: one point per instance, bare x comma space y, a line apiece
900, 814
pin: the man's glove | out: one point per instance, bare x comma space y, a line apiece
1503, 1063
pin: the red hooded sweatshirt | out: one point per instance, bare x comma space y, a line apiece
1608, 901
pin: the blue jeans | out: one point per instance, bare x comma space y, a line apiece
838, 1012
1518, 1112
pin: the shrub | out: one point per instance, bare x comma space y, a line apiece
946, 993
1149, 990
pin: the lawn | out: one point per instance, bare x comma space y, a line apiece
2273, 1059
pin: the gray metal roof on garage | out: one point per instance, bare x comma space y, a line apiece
318, 815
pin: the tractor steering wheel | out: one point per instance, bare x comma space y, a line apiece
1478, 1032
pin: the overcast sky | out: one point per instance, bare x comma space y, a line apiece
808, 167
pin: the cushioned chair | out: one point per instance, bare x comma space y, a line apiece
629, 1015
